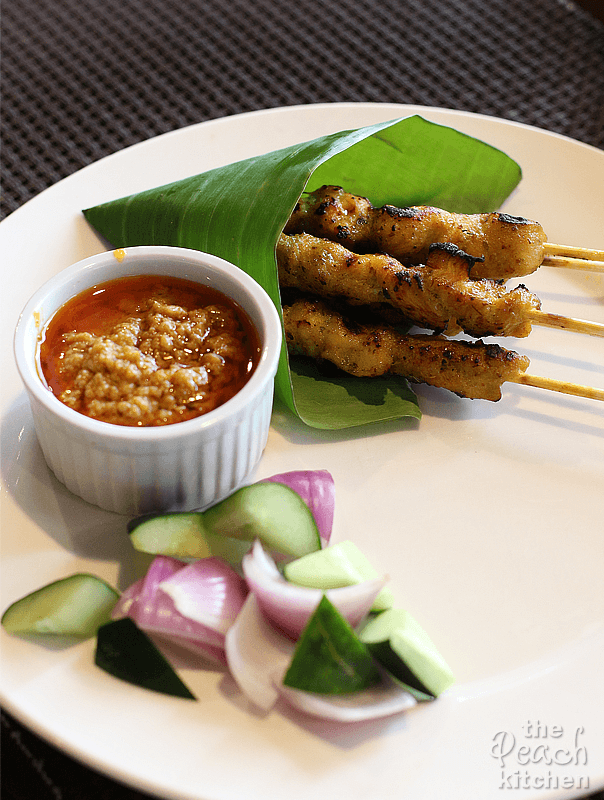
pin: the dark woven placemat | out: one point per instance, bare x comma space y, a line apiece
32, 769
85, 78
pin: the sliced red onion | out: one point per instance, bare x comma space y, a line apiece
289, 606
155, 612
257, 655
183, 652
160, 567
317, 489
208, 591
383, 700
128, 599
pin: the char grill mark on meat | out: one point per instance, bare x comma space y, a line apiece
440, 296
511, 246
469, 369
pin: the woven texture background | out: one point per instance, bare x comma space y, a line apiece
84, 78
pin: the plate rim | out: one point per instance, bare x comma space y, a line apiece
7, 702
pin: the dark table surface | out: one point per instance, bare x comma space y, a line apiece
85, 78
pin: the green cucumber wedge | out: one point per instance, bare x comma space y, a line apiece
329, 657
74, 606
126, 652
341, 564
402, 646
183, 535
271, 512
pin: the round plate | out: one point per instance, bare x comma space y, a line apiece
487, 517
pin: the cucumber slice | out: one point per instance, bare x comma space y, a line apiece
329, 657
74, 606
126, 652
271, 512
402, 646
183, 535
341, 564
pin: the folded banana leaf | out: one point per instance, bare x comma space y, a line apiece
238, 211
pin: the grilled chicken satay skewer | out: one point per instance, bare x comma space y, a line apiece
440, 296
511, 246
469, 369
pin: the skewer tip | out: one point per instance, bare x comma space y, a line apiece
553, 385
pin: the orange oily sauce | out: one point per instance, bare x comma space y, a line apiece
148, 350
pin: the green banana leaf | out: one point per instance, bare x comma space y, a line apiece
238, 211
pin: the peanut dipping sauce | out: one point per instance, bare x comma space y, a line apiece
148, 350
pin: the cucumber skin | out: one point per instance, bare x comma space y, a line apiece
291, 531
346, 664
126, 652
402, 646
383, 652
34, 615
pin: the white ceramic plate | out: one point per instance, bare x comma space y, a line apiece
488, 517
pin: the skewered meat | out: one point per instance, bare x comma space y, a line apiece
440, 295
511, 246
470, 369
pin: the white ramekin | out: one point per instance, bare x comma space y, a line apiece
182, 466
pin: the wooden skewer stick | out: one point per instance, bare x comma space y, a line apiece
551, 249
571, 257
559, 386
566, 323
573, 263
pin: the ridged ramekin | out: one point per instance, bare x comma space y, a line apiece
131, 470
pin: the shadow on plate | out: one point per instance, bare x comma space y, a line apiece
77, 526
344, 736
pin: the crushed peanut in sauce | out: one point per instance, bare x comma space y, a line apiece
147, 351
